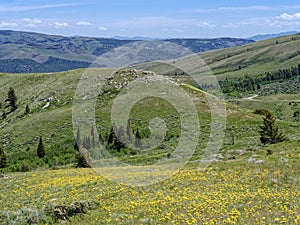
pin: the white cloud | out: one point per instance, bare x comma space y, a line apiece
32, 22
83, 23
20, 8
8, 24
284, 20
205, 24
286, 16
101, 28
61, 25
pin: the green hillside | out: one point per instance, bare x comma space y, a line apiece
252, 59
230, 178
50, 98
256, 58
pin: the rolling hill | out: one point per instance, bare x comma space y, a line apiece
23, 52
262, 37
251, 59
231, 178
50, 97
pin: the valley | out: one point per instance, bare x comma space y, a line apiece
138, 174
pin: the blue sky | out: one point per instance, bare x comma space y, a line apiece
155, 18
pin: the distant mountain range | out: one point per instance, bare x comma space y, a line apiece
27, 52
262, 37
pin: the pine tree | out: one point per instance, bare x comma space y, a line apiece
27, 110
128, 133
93, 136
3, 114
41, 149
119, 139
3, 160
77, 141
86, 143
12, 99
269, 132
113, 141
76, 147
82, 159
137, 141
111, 136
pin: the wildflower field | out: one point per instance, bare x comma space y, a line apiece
227, 192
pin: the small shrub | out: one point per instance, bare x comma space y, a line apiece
261, 112
23, 216
65, 211
25, 167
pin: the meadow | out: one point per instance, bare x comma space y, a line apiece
241, 182
227, 192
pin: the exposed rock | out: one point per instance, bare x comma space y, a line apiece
283, 160
255, 161
213, 158
3, 176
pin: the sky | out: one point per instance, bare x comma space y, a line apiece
151, 18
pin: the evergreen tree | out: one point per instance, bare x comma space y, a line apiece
12, 99
111, 136
119, 139
3, 114
128, 133
269, 133
113, 141
93, 136
27, 110
3, 160
82, 158
76, 147
77, 141
41, 149
86, 143
137, 141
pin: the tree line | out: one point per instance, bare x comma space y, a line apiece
252, 83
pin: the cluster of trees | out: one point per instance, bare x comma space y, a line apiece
116, 140
40, 153
248, 83
10, 104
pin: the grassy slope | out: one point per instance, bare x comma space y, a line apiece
254, 58
20, 132
232, 191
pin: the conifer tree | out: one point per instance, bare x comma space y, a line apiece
27, 110
3, 114
77, 141
128, 133
12, 99
82, 157
111, 136
137, 141
3, 160
269, 132
113, 141
41, 149
93, 136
